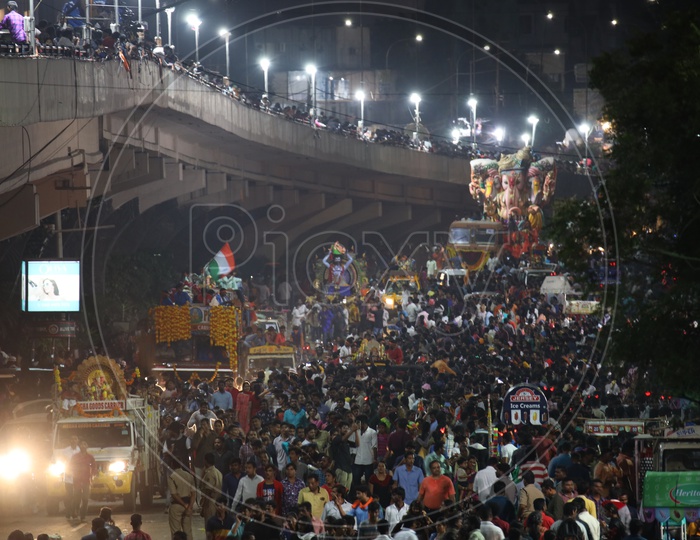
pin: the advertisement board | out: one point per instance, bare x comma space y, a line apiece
524, 404
50, 286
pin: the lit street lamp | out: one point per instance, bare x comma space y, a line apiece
195, 22
418, 38
532, 119
472, 105
415, 99
226, 35
584, 129
311, 70
525, 137
500, 134
360, 95
265, 65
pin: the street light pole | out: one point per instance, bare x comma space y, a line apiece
532, 119
584, 129
472, 105
415, 99
158, 18
195, 22
265, 65
418, 38
360, 95
169, 13
226, 35
311, 70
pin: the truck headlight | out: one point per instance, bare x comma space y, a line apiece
57, 469
117, 467
14, 464
389, 302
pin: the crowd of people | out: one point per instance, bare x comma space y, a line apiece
408, 443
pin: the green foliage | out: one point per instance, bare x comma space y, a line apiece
649, 204
132, 285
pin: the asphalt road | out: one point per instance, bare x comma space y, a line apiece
155, 522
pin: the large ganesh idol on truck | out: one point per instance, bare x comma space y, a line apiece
512, 191
340, 273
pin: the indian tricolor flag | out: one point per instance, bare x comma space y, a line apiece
223, 262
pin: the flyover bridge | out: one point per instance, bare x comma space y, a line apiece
75, 133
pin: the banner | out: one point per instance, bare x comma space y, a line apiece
612, 427
53, 329
524, 404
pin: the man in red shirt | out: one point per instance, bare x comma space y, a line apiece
394, 353
137, 533
270, 489
436, 489
397, 442
83, 467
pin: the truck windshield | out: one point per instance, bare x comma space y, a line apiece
256, 363
681, 459
396, 287
96, 434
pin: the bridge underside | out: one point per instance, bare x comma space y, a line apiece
272, 201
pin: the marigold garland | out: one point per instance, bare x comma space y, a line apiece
57, 380
172, 323
135, 375
224, 331
195, 376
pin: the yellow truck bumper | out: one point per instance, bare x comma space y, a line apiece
102, 484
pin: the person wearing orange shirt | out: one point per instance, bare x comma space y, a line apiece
436, 489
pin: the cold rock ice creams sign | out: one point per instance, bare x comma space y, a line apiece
524, 405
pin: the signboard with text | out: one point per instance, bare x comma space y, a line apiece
613, 427
53, 329
524, 404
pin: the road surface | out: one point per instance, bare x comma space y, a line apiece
155, 522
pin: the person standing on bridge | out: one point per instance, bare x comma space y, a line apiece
14, 22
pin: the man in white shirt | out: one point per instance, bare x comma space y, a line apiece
202, 414
395, 512
284, 437
299, 313
488, 529
431, 268
588, 519
485, 479
508, 448
247, 485
412, 311
366, 456
346, 351
337, 501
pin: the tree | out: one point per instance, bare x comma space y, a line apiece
648, 214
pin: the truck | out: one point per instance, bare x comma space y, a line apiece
667, 471
121, 431
269, 356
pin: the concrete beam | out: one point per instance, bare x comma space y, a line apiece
391, 216
20, 211
191, 180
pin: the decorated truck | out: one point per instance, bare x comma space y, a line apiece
512, 192
194, 338
340, 273
120, 429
